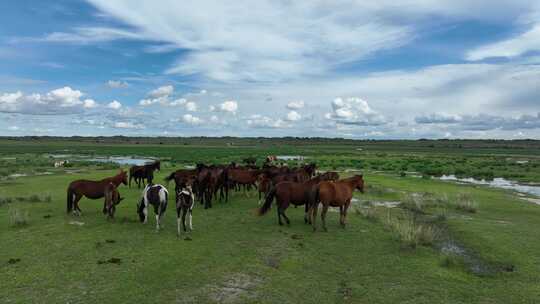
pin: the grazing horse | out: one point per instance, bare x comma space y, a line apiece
184, 205
157, 196
140, 173
112, 198
91, 189
290, 193
335, 194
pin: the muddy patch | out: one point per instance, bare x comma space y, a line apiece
115, 261
13, 261
472, 261
236, 289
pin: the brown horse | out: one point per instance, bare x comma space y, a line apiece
335, 194
242, 177
291, 193
140, 173
91, 189
112, 198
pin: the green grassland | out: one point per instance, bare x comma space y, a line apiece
234, 256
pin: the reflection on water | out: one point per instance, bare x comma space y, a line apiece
497, 182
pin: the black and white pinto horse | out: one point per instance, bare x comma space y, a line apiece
184, 205
157, 196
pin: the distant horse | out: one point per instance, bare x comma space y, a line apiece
157, 196
112, 198
185, 201
140, 173
290, 193
181, 176
243, 177
91, 189
335, 194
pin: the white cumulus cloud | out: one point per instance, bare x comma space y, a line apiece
295, 105
192, 120
115, 105
293, 116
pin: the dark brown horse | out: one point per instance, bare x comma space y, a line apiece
242, 177
181, 176
335, 194
112, 198
291, 193
91, 189
140, 173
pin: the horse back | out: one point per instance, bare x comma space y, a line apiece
88, 188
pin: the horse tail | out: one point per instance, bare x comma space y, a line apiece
268, 201
70, 195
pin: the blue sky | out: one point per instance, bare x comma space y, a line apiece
353, 69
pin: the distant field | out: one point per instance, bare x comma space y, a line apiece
443, 243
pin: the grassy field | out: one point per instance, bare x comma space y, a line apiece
481, 246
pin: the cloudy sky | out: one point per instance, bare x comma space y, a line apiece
353, 69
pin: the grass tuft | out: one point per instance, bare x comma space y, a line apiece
17, 217
415, 203
464, 202
411, 232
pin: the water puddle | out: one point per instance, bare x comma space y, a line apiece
122, 160
290, 157
497, 182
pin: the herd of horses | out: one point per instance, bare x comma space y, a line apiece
207, 183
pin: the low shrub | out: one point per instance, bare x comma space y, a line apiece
410, 232
17, 217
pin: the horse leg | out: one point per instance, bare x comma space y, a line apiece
178, 211
285, 216
345, 213
184, 212
190, 219
279, 217
341, 220
314, 209
307, 219
76, 210
323, 216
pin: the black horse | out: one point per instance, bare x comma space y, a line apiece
141, 173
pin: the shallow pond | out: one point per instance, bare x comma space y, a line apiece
497, 182
122, 160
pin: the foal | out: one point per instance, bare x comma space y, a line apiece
112, 198
334, 194
157, 196
184, 204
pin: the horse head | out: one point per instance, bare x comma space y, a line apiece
123, 176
